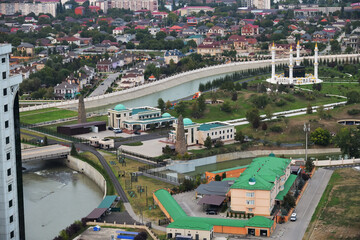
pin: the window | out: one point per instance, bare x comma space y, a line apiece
3, 60
10, 203
9, 172
5, 91
250, 202
250, 209
7, 140
8, 156
9, 187
250, 194
12, 234
124, 114
6, 124
4, 75
6, 108
11, 218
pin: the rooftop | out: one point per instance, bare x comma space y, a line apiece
265, 171
209, 126
287, 187
230, 169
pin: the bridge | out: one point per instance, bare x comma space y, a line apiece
178, 79
45, 153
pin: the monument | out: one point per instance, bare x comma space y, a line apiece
180, 145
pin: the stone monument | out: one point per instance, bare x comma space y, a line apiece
81, 110
180, 145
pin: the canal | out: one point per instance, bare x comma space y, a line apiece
54, 197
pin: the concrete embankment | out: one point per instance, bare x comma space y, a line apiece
85, 168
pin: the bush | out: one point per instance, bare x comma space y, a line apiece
289, 98
353, 111
280, 103
218, 143
276, 129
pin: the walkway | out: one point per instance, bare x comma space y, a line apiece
305, 208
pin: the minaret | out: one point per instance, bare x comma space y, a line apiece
298, 54
291, 65
273, 62
316, 50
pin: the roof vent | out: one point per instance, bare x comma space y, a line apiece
252, 181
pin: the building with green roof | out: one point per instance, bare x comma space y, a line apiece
142, 118
196, 133
203, 228
264, 182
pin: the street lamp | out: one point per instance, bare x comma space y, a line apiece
306, 130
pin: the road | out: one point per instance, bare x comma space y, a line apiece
101, 89
305, 207
32, 153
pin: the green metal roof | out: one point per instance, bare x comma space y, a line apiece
169, 203
230, 169
208, 126
187, 121
229, 179
265, 170
119, 107
139, 110
107, 201
150, 120
182, 221
287, 187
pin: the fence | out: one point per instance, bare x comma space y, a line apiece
54, 133
156, 173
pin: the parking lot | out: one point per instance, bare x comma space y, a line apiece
104, 233
150, 148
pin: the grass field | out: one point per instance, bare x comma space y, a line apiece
139, 201
337, 215
336, 88
44, 116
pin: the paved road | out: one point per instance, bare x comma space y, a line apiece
305, 207
32, 153
101, 89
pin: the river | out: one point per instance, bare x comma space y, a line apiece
54, 197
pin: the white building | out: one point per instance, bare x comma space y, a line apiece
26, 8
299, 77
196, 133
11, 199
143, 118
136, 5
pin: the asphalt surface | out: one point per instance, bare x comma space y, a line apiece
101, 89
305, 208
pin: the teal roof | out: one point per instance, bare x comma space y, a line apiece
119, 107
187, 121
195, 36
169, 203
208, 126
230, 169
287, 187
138, 110
229, 179
107, 201
149, 120
166, 115
265, 170
182, 221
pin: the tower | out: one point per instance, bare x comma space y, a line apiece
11, 191
316, 64
81, 110
180, 145
291, 66
273, 61
298, 54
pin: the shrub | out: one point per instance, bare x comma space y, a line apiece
276, 129
218, 143
353, 111
320, 137
280, 103
289, 98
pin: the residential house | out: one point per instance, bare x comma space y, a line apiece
202, 30
66, 90
197, 38
250, 30
212, 49
174, 55
187, 11
104, 65
119, 30
26, 49
216, 30
130, 80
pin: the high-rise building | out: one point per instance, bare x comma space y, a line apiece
259, 4
136, 5
11, 191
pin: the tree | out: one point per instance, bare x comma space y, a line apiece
288, 201
309, 165
130, 45
223, 176
208, 142
260, 101
253, 116
309, 109
160, 35
320, 111
195, 110
320, 137
226, 107
201, 103
218, 143
168, 105
353, 97
180, 108
348, 140
161, 105
191, 44
268, 112
264, 126
217, 178
45, 143
234, 96
239, 137
73, 151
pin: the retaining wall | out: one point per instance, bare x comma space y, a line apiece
85, 168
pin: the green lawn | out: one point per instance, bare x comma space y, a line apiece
37, 111
47, 116
336, 88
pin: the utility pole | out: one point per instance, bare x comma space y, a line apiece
306, 130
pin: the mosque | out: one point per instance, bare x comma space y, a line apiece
294, 75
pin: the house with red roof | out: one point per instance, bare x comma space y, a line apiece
44, 16
250, 30
94, 8
160, 15
216, 30
176, 28
80, 10
119, 30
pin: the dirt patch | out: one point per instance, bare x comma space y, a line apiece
339, 216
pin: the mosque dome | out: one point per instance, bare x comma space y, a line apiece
119, 107
187, 121
166, 115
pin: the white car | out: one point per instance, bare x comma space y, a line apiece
293, 217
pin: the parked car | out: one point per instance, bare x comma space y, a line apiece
117, 130
211, 212
293, 217
137, 133
110, 128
